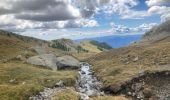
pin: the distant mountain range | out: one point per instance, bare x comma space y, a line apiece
116, 41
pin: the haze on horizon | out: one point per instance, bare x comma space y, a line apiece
74, 19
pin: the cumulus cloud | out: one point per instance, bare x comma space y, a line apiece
159, 7
165, 17
123, 8
47, 14
21, 15
156, 2
124, 29
9, 23
41, 10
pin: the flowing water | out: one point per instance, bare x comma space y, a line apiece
87, 84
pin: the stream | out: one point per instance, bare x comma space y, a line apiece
87, 84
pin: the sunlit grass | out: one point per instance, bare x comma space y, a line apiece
29, 80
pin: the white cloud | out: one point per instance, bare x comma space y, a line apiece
87, 23
8, 22
163, 11
132, 14
165, 17
121, 29
155, 2
158, 10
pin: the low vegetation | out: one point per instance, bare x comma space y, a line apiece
58, 45
18, 80
119, 65
101, 46
110, 98
67, 45
68, 94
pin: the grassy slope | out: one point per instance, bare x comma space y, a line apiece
26, 80
68, 94
90, 47
71, 94
119, 65
11, 46
29, 80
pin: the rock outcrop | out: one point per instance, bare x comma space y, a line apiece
53, 62
153, 85
67, 62
47, 60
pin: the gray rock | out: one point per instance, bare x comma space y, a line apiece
135, 59
67, 62
21, 58
47, 60
82, 72
53, 62
59, 84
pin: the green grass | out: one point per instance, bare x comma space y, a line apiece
10, 47
68, 94
29, 80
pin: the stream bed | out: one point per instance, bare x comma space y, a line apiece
87, 84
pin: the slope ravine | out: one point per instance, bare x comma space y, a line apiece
87, 84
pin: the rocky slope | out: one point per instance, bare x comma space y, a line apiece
118, 68
12, 45
159, 32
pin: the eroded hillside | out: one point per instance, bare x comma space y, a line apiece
118, 67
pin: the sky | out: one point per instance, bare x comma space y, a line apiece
76, 19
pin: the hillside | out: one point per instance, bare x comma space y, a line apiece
20, 80
79, 47
160, 32
67, 45
12, 45
145, 63
94, 46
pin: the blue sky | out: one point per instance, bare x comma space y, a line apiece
74, 19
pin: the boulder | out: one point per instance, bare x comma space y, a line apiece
53, 62
46, 60
21, 58
67, 62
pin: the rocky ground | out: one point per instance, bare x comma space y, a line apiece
48, 93
86, 86
154, 86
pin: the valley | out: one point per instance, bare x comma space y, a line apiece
62, 69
